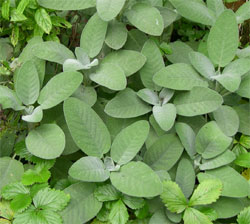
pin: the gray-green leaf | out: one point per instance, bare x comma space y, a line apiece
86, 127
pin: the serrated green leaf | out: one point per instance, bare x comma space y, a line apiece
200, 100
93, 36
34, 216
86, 127
116, 35
50, 139
207, 192
165, 115
133, 174
89, 169
12, 190
173, 198
234, 185
5, 211
109, 75
129, 61
109, 9
54, 200
185, 176
243, 160
43, 20
52, 51
118, 213
194, 11
126, 104
106, 193
20, 202
59, 88
222, 49
153, 64
32, 176
179, 76
244, 216
211, 141
152, 24
129, 141
66, 5
192, 215
164, 152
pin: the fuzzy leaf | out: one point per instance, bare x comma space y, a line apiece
59, 88
27, 83
109, 75
86, 127
126, 104
50, 139
222, 49
109, 9
200, 100
152, 24
66, 5
138, 174
89, 169
93, 36
129, 141
179, 76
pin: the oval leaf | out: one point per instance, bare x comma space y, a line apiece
164, 153
126, 104
129, 141
93, 36
199, 100
46, 141
222, 49
109, 9
138, 174
86, 127
27, 83
110, 76
89, 169
151, 24
179, 76
59, 88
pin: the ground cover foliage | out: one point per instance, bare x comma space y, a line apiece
124, 111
